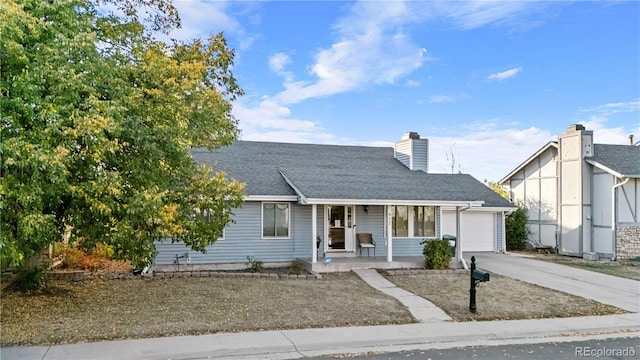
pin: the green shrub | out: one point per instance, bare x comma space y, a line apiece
103, 251
31, 280
437, 254
254, 264
517, 232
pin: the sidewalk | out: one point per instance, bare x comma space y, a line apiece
294, 344
433, 332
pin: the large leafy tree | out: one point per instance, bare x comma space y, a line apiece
97, 119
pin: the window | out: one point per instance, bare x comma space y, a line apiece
419, 221
400, 221
275, 220
207, 216
424, 221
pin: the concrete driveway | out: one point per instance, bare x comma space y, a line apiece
607, 289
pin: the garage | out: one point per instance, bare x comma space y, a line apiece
478, 229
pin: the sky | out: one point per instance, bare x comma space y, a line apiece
488, 83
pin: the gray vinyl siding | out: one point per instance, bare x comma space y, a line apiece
421, 155
402, 152
374, 222
244, 238
371, 222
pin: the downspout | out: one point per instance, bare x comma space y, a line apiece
613, 216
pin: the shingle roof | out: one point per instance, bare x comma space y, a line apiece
621, 159
339, 172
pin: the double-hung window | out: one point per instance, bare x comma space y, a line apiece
400, 221
413, 221
424, 221
275, 220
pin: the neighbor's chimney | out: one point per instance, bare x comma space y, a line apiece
412, 151
630, 139
574, 189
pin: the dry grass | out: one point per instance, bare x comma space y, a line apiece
135, 308
116, 309
501, 298
621, 268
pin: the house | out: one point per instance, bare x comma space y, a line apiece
310, 201
581, 197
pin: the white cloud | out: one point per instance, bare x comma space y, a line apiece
439, 99
487, 152
201, 18
466, 15
614, 108
372, 49
269, 121
278, 61
503, 75
600, 115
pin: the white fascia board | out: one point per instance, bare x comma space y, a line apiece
550, 144
609, 170
493, 209
473, 204
285, 198
302, 198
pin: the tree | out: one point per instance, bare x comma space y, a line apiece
451, 155
516, 229
98, 119
499, 189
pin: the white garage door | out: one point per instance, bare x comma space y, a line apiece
478, 229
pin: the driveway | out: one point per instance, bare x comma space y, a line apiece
607, 289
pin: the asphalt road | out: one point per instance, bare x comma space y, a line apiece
620, 348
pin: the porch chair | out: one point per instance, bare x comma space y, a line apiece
365, 240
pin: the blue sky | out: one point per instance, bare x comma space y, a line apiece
491, 82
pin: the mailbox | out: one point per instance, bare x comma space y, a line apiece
480, 275
477, 276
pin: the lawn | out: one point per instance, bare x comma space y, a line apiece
621, 268
501, 298
115, 309
98, 309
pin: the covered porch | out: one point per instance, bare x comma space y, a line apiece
336, 228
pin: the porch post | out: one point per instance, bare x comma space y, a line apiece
458, 243
314, 233
389, 235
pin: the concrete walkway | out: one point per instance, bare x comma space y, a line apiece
422, 309
433, 333
607, 289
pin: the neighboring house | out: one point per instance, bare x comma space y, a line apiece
581, 197
297, 193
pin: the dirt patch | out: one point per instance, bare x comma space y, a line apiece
501, 298
101, 309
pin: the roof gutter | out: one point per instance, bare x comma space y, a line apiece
613, 216
319, 201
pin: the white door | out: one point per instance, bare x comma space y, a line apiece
341, 228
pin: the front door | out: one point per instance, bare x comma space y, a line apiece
341, 228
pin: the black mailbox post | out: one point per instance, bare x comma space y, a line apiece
477, 276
